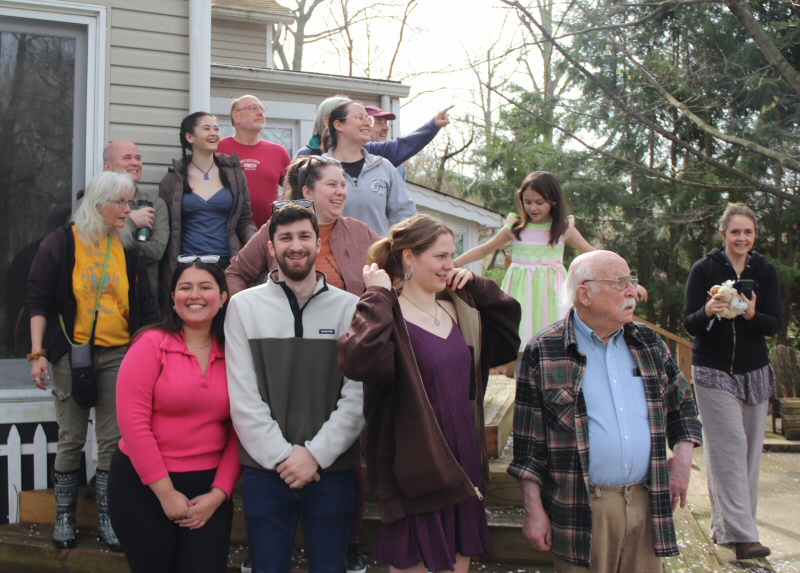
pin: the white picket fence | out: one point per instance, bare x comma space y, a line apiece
14, 449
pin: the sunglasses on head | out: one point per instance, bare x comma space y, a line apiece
208, 259
302, 173
304, 203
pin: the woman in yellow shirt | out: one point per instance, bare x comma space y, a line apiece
88, 284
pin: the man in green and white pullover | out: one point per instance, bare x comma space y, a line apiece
297, 417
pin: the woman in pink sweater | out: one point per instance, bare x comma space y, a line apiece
172, 476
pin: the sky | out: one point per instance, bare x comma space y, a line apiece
433, 57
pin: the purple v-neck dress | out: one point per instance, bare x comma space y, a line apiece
435, 538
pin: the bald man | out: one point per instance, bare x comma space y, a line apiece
123, 156
599, 397
264, 163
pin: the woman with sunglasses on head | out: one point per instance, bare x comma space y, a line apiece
94, 249
177, 463
424, 358
344, 241
207, 198
733, 379
377, 194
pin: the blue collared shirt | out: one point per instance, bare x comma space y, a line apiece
619, 429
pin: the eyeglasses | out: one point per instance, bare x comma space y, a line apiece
361, 117
254, 107
304, 203
302, 173
208, 259
122, 203
619, 283
381, 121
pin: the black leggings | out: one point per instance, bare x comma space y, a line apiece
154, 544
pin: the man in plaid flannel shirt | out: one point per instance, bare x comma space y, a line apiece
598, 399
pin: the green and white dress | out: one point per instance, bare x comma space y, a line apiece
535, 276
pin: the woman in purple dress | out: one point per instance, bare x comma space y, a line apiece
424, 357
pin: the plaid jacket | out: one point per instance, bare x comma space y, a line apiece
551, 431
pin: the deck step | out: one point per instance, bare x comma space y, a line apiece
498, 412
505, 525
28, 549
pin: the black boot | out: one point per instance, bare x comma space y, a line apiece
107, 534
66, 485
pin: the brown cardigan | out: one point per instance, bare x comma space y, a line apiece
410, 467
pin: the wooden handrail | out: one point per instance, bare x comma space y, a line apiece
665, 333
684, 347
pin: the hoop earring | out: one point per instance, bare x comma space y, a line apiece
408, 276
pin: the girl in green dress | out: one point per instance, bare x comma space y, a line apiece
537, 232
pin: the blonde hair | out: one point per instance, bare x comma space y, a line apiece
417, 233
104, 187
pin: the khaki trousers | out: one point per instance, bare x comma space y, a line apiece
622, 533
73, 420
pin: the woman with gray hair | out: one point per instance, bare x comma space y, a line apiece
88, 291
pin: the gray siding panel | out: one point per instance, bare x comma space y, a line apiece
148, 78
239, 43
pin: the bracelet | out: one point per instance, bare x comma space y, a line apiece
34, 355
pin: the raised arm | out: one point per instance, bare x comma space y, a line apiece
498, 241
397, 151
366, 351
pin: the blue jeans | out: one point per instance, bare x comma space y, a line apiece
272, 509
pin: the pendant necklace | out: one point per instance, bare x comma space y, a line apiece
205, 173
434, 316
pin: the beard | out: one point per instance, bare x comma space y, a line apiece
296, 271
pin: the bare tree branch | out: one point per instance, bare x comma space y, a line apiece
638, 166
406, 13
765, 44
624, 107
782, 158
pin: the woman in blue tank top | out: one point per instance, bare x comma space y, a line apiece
207, 197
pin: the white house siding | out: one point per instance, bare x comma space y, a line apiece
239, 43
148, 79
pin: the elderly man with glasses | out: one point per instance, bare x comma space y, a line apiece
264, 163
599, 398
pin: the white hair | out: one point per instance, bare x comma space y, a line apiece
104, 187
583, 268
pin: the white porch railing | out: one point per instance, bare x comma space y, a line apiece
21, 411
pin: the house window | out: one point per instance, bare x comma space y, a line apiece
51, 121
460, 241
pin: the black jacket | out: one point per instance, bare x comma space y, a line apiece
50, 290
738, 345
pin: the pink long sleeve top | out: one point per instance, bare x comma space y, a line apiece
172, 417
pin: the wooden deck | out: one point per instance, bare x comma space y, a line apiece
27, 547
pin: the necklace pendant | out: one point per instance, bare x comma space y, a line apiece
205, 176
436, 322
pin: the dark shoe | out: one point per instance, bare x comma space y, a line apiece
355, 562
66, 488
751, 550
247, 566
107, 534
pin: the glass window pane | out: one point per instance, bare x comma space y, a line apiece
37, 93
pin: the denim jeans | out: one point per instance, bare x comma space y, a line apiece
272, 509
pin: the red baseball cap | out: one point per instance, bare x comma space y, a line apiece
375, 111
